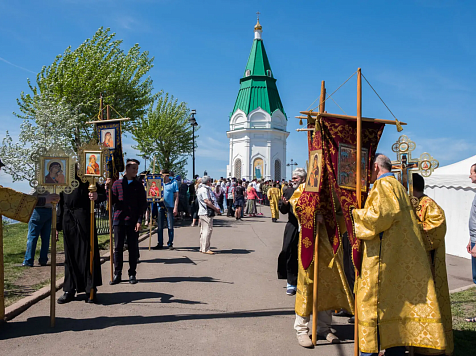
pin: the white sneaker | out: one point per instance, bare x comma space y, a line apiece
305, 341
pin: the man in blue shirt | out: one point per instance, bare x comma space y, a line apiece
170, 205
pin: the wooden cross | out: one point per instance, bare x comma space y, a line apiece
405, 165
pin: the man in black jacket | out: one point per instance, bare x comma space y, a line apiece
130, 202
288, 258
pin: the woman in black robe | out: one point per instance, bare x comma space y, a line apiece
74, 220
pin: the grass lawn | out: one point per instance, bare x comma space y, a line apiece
463, 305
14, 245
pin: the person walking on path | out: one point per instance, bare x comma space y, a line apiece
252, 196
288, 257
129, 202
74, 219
471, 247
170, 205
229, 198
219, 195
274, 194
239, 199
38, 226
206, 213
193, 195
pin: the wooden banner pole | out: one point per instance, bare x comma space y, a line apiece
316, 249
151, 211
2, 274
53, 265
358, 191
92, 188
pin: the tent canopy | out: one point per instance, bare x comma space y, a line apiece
454, 175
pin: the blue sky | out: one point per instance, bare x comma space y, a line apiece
419, 55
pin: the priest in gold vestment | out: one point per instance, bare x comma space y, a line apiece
396, 297
274, 195
333, 289
433, 230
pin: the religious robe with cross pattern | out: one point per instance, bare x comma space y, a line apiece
395, 290
432, 224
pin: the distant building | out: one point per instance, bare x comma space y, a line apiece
258, 121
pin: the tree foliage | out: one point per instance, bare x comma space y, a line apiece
47, 122
98, 66
165, 133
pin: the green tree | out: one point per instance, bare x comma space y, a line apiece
48, 122
98, 66
165, 133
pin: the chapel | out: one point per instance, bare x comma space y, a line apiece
258, 121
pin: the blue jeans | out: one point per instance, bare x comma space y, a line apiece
170, 225
39, 225
473, 262
393, 351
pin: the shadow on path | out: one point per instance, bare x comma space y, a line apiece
130, 297
170, 261
39, 325
182, 279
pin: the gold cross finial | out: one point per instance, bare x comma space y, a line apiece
258, 25
258, 14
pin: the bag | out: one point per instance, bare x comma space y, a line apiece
210, 212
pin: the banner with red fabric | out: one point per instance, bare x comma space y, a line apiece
337, 138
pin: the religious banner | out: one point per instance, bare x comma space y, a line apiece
314, 171
154, 188
258, 168
109, 135
337, 140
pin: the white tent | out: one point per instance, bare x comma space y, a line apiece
452, 189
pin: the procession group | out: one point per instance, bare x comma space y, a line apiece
402, 289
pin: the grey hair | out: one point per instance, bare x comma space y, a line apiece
205, 179
383, 161
301, 172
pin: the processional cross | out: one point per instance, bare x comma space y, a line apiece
405, 165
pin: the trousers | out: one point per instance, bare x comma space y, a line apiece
206, 229
120, 233
324, 321
39, 225
473, 264
161, 225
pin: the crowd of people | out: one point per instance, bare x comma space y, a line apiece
407, 239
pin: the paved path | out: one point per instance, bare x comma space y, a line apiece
186, 303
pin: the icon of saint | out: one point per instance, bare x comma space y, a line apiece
93, 167
108, 141
55, 174
153, 190
313, 180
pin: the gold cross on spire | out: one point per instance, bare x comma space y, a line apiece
258, 14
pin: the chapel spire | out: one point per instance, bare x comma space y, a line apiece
258, 29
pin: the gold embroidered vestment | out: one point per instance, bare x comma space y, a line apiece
433, 230
395, 289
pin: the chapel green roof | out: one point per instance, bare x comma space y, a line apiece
258, 86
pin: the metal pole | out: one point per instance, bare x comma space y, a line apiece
193, 150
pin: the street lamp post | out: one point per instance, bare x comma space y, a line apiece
193, 123
291, 166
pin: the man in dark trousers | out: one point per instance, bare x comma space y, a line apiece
288, 258
129, 201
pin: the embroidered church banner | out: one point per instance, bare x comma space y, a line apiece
336, 137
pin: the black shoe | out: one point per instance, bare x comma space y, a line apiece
89, 300
116, 280
43, 264
342, 312
132, 279
351, 320
66, 297
171, 247
158, 247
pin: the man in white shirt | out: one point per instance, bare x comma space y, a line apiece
206, 211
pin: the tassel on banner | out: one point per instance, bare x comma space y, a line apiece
331, 264
399, 126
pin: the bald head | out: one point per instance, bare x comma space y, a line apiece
382, 165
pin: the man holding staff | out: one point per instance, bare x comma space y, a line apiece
396, 298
